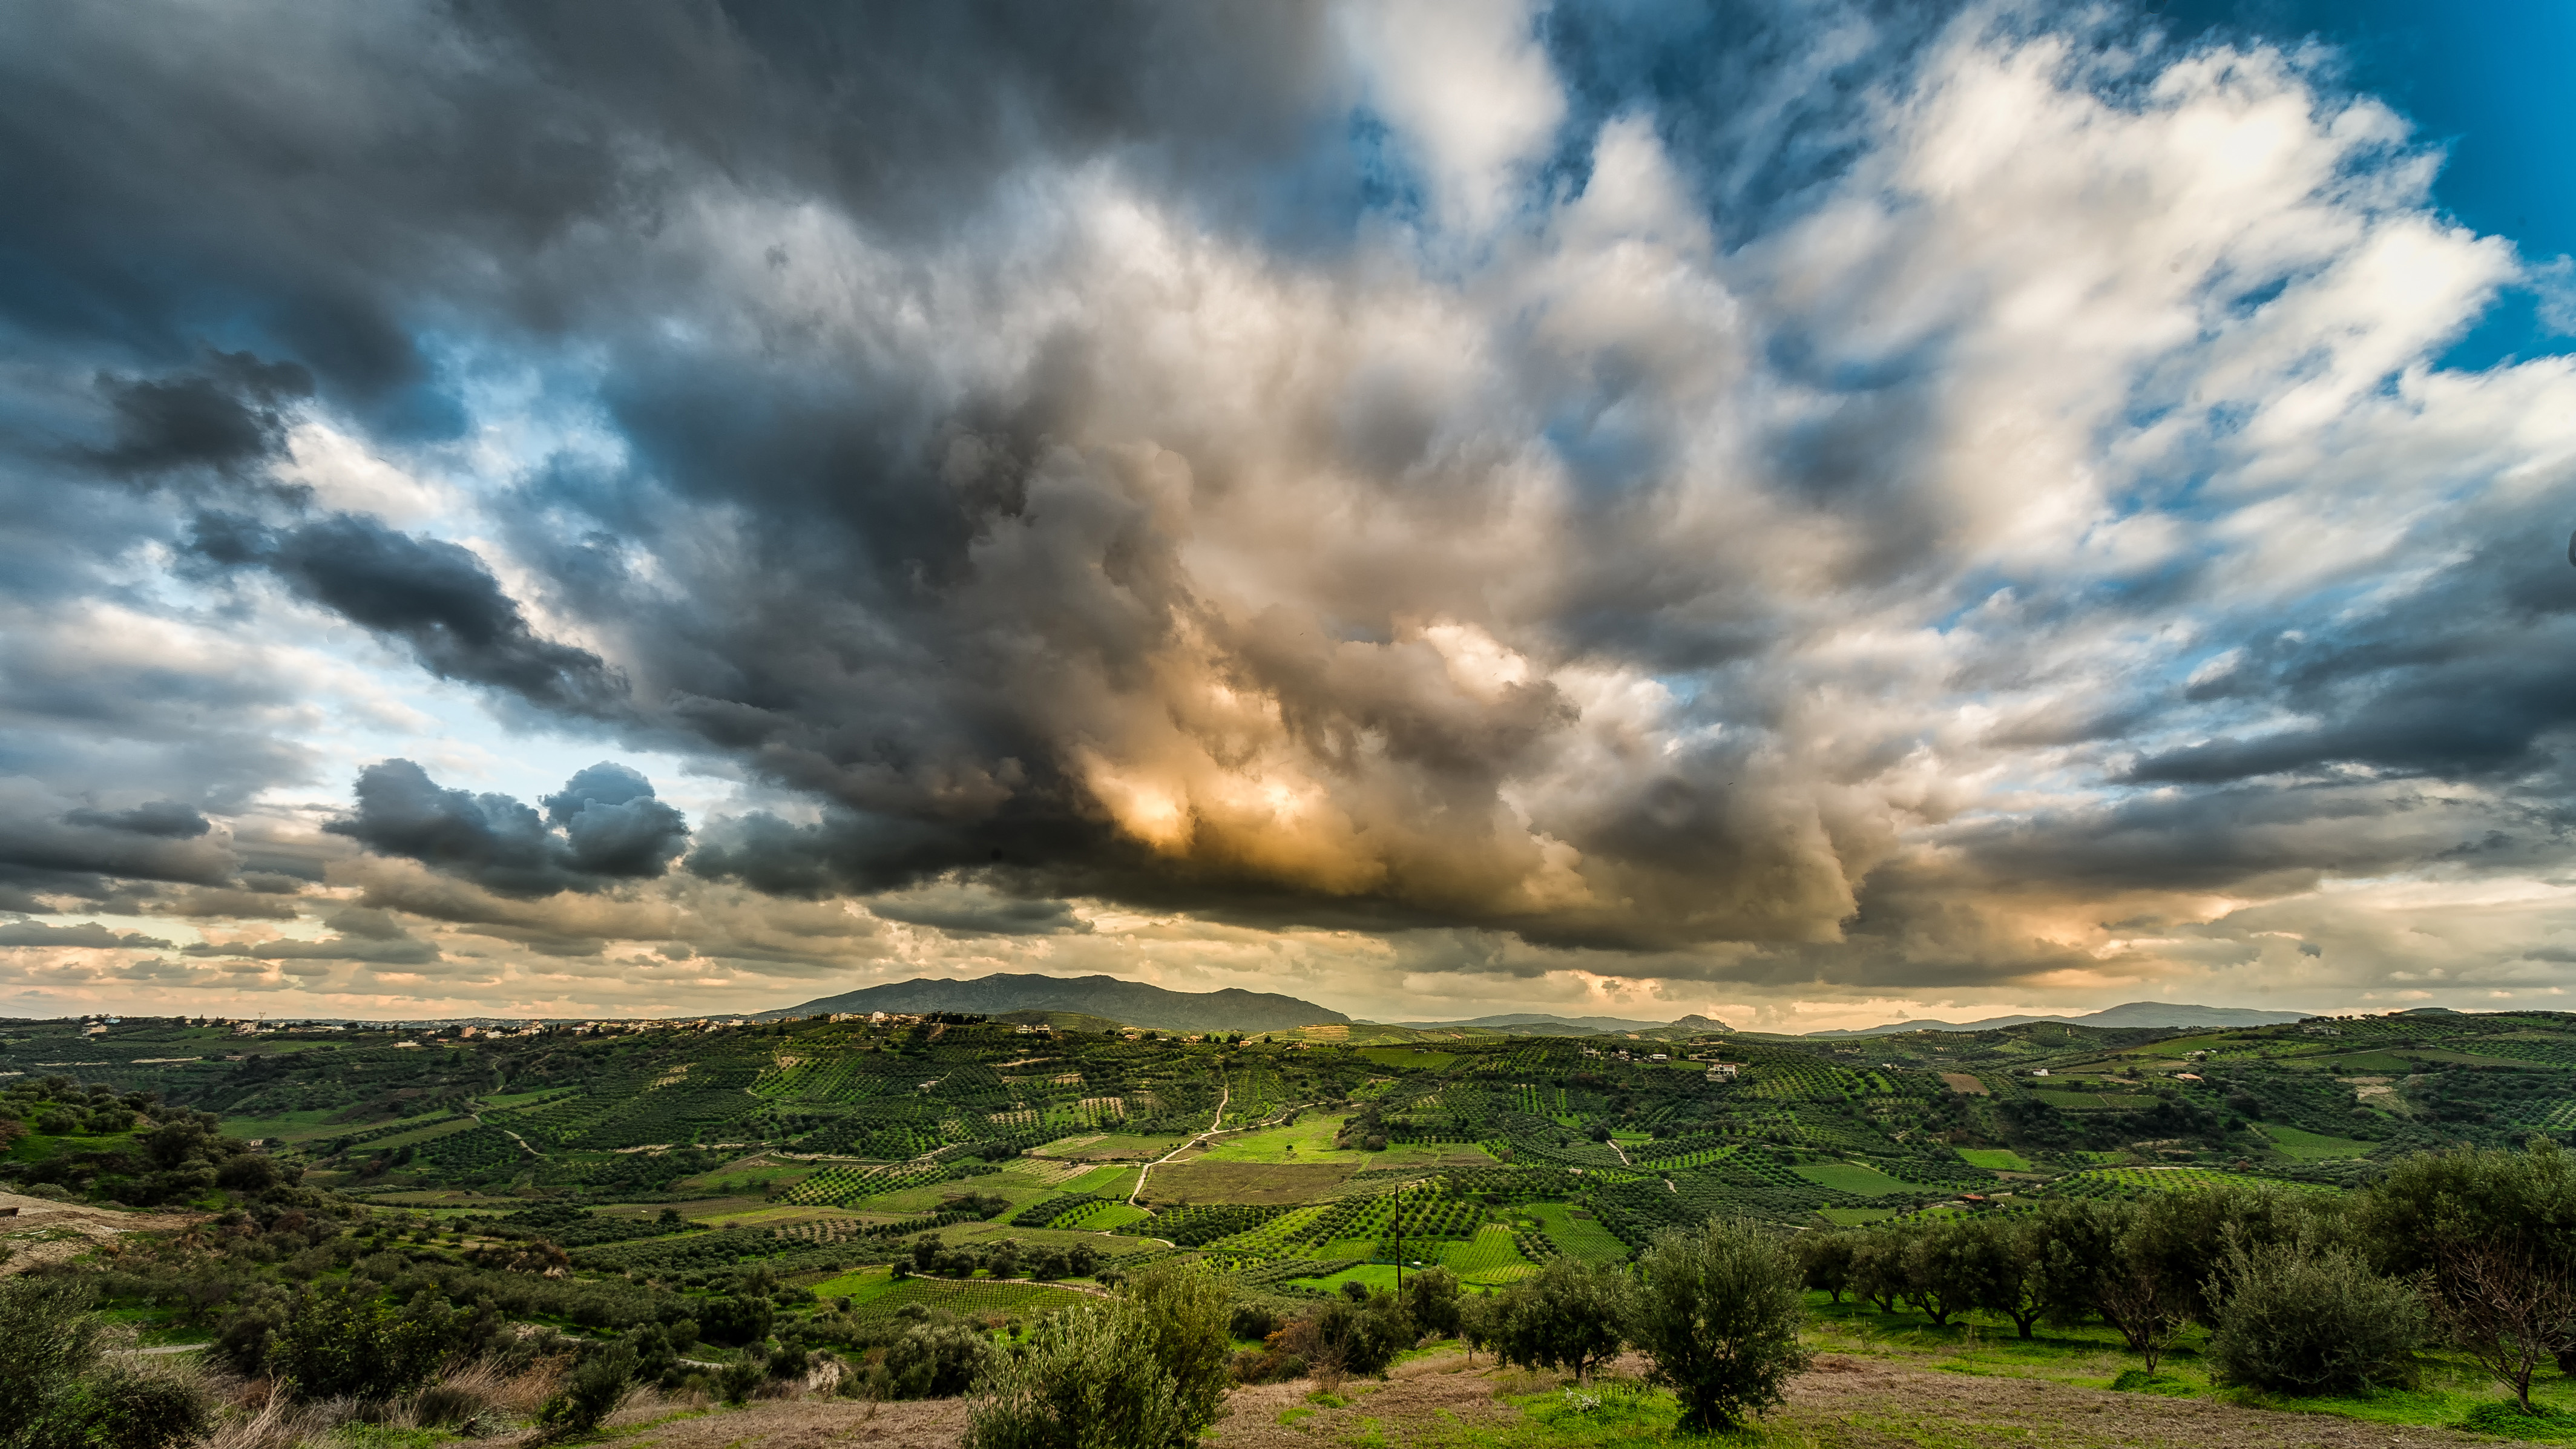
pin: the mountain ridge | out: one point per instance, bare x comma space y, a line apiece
1134, 1003
2127, 1013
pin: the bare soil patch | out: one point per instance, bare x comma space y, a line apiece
1867, 1404
45, 1231
1200, 1180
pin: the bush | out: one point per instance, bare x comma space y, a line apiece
1181, 1320
1571, 1314
148, 1408
48, 1345
1083, 1381
56, 1393
1145, 1371
935, 1361
1254, 1321
2510, 1420
1718, 1312
590, 1393
741, 1377
342, 1343
735, 1321
2301, 1319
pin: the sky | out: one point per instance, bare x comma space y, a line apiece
1806, 513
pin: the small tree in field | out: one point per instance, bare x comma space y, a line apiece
2509, 1309
2488, 1238
2304, 1318
2138, 1296
1571, 1314
1718, 1312
1826, 1259
2010, 1265
1146, 1370
1941, 1265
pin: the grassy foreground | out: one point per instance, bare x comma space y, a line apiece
1884, 1380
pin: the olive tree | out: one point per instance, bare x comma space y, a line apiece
1717, 1310
2488, 1238
1145, 1370
1571, 1314
2305, 1317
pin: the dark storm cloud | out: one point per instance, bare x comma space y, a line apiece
965, 912
88, 934
222, 418
2463, 678
605, 827
166, 818
66, 847
433, 595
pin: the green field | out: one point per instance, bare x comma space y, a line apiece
291, 1126
1854, 1178
1203, 1180
1427, 1058
2368, 1064
1488, 1257
1309, 1139
1584, 1237
2312, 1146
37, 1147
1102, 1182
1380, 1278
1111, 1147
875, 1293
1994, 1159
1842, 1217
419, 1135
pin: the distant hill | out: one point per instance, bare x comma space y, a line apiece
2130, 1013
1528, 1023
1131, 1002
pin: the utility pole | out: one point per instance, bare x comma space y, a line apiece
1399, 1242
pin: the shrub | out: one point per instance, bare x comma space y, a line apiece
48, 1343
1082, 1382
1254, 1321
741, 1377
1571, 1314
342, 1343
56, 1393
1718, 1311
590, 1393
1145, 1371
735, 1321
135, 1407
2302, 1319
935, 1361
1180, 1318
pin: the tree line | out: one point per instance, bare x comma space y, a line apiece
2300, 1292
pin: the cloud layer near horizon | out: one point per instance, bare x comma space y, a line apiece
1810, 515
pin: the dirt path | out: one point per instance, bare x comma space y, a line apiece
1224, 1094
